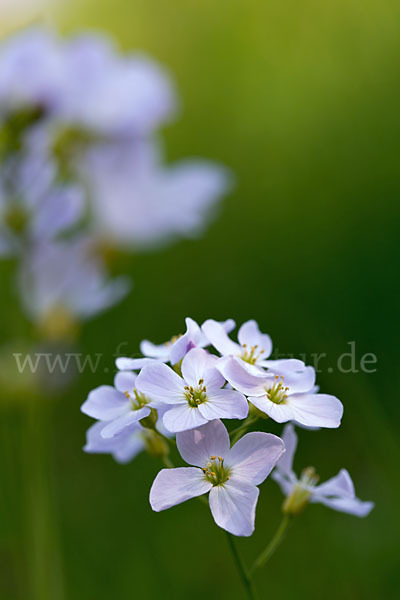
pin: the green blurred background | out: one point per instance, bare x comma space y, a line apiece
301, 101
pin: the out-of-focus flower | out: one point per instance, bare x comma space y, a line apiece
67, 278
253, 348
337, 493
284, 397
231, 475
33, 206
138, 202
196, 397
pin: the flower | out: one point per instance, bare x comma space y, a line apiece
196, 397
253, 348
118, 407
231, 475
337, 493
152, 203
174, 350
127, 444
33, 206
67, 277
284, 397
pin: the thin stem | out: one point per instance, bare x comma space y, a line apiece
273, 545
167, 462
239, 431
243, 572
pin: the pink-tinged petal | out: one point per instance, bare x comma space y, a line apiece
340, 485
159, 382
200, 364
285, 483
198, 445
233, 506
174, 486
133, 364
281, 413
236, 373
316, 410
250, 335
254, 456
124, 381
123, 447
352, 506
289, 437
224, 404
124, 421
190, 339
282, 365
183, 417
105, 403
157, 351
217, 336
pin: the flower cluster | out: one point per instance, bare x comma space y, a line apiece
186, 387
81, 169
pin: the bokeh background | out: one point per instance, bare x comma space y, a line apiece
300, 100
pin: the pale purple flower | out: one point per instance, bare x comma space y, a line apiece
194, 398
253, 347
139, 202
33, 206
337, 493
231, 475
174, 350
118, 407
68, 276
286, 396
123, 447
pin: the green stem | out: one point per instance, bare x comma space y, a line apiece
273, 545
167, 462
237, 433
243, 572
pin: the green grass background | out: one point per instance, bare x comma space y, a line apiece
301, 101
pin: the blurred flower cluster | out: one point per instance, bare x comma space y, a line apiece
82, 172
184, 388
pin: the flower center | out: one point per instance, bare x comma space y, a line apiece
215, 472
174, 339
251, 354
137, 399
197, 395
301, 492
277, 393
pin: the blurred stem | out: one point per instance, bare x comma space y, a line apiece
237, 433
273, 545
242, 570
167, 462
43, 547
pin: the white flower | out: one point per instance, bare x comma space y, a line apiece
284, 397
196, 397
231, 475
337, 493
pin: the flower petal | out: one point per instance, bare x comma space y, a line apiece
217, 336
224, 404
116, 426
234, 371
338, 493
352, 506
160, 382
281, 413
124, 381
284, 482
254, 456
250, 335
123, 447
340, 485
285, 464
105, 403
233, 506
158, 351
133, 364
316, 410
197, 445
200, 364
173, 486
182, 418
